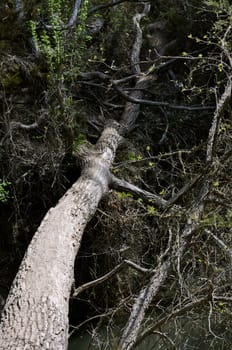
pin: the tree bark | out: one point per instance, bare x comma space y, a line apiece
35, 315
36, 312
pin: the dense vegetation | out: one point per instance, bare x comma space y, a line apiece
63, 76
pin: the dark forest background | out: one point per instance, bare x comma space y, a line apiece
50, 106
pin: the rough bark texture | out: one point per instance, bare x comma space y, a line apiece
144, 299
36, 312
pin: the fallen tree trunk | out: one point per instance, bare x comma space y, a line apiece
35, 315
36, 312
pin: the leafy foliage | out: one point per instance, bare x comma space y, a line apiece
57, 43
4, 192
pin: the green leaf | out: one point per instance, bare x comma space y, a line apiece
151, 210
163, 191
132, 156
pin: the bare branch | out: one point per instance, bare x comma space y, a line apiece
76, 328
99, 280
209, 321
216, 118
221, 244
160, 275
222, 298
108, 275
132, 99
138, 40
137, 267
72, 20
18, 125
183, 190
163, 335
141, 304
224, 46
73, 17
122, 185
132, 111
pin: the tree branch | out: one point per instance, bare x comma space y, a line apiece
160, 275
108, 275
122, 185
132, 99
183, 190
131, 110
216, 118
221, 245
138, 40
163, 335
18, 125
137, 267
99, 280
73, 17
